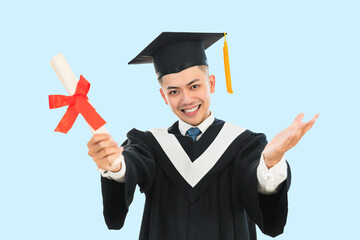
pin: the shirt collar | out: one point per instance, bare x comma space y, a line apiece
183, 126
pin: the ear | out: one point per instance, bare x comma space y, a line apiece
212, 83
163, 96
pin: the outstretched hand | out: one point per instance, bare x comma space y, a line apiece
286, 139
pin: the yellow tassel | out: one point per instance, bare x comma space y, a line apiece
227, 67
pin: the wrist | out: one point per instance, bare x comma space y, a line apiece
272, 158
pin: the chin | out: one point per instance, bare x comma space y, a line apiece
193, 121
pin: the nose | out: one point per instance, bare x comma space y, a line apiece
187, 98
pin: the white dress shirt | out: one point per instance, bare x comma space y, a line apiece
268, 179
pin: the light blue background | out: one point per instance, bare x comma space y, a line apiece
286, 57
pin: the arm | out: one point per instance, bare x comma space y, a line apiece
140, 170
259, 206
272, 216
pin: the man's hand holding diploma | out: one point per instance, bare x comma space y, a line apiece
286, 139
105, 151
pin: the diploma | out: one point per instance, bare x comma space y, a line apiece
70, 82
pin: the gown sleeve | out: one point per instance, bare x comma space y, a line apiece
269, 212
140, 170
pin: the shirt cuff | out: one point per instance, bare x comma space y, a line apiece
270, 179
116, 176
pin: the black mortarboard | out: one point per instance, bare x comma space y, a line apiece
172, 52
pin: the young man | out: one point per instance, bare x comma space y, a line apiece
203, 178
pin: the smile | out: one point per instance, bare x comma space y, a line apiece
191, 110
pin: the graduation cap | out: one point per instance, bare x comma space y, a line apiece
172, 52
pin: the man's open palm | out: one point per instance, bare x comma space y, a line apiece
287, 139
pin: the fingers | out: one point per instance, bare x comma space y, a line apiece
103, 153
299, 117
98, 137
300, 128
309, 124
100, 141
297, 121
103, 145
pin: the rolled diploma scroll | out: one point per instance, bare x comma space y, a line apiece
69, 81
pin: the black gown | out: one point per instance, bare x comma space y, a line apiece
216, 201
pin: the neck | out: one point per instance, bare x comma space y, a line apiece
183, 126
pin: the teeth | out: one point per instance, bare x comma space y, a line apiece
191, 109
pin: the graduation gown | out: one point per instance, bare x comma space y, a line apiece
206, 189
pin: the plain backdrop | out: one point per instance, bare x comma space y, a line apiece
286, 57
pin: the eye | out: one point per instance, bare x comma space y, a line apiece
173, 92
195, 86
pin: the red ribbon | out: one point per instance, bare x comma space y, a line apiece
78, 103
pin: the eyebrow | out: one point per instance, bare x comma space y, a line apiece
171, 87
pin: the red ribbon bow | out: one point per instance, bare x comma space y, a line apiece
78, 103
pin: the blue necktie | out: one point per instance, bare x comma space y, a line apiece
193, 133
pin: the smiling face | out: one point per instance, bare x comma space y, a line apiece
188, 94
